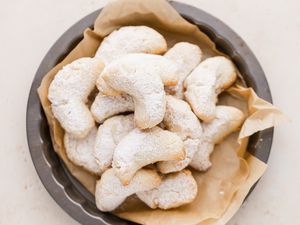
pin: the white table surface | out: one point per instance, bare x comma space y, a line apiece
29, 28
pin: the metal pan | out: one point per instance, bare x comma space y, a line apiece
64, 188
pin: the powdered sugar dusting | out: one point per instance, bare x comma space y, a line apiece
203, 85
186, 56
131, 39
68, 93
143, 63
126, 40
80, 151
75, 81
110, 192
201, 161
140, 148
200, 93
109, 134
224, 71
74, 117
175, 190
228, 119
180, 119
105, 106
140, 76
190, 148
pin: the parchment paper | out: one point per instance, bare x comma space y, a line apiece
224, 186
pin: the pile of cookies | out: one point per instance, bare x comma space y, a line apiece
154, 115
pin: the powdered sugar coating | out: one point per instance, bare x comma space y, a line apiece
74, 117
200, 93
103, 87
190, 147
180, 119
110, 192
131, 39
149, 63
75, 81
81, 151
126, 40
109, 134
143, 147
105, 106
68, 93
139, 75
203, 85
224, 71
186, 56
228, 119
200, 160
175, 190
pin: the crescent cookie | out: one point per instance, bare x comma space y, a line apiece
81, 151
186, 56
140, 76
228, 119
74, 117
129, 39
105, 106
110, 192
175, 190
180, 119
190, 147
68, 93
109, 134
203, 85
143, 64
143, 147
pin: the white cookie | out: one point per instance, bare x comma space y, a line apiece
68, 93
105, 106
203, 85
186, 56
200, 93
81, 151
201, 158
139, 75
110, 192
138, 64
140, 148
180, 119
131, 39
124, 102
224, 71
228, 119
175, 190
110, 133
190, 148
74, 117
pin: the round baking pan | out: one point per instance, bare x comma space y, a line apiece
58, 181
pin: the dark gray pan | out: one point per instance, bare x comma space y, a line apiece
65, 189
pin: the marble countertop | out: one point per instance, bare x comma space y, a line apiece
29, 28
